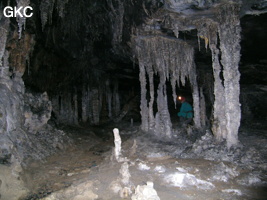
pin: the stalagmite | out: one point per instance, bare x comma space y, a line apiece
122, 185
117, 142
125, 174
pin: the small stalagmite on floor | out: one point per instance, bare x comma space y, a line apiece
117, 142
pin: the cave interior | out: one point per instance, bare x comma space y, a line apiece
88, 93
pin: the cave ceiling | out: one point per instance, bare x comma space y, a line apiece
86, 40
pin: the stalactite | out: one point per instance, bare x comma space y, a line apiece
109, 98
21, 20
95, 105
47, 8
46, 11
3, 37
143, 105
75, 107
116, 16
196, 101
202, 108
100, 98
61, 7
84, 104
67, 110
90, 105
208, 32
116, 99
151, 120
5, 70
172, 59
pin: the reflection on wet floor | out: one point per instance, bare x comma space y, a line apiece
178, 168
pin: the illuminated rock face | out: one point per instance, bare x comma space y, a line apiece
117, 142
93, 62
171, 59
85, 54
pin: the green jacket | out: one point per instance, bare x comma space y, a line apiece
186, 110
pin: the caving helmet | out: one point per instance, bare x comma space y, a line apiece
181, 98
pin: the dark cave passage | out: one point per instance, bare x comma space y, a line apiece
75, 71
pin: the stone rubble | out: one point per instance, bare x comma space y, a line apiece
145, 192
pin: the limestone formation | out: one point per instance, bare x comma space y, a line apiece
145, 192
171, 59
117, 142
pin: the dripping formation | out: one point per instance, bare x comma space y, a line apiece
173, 59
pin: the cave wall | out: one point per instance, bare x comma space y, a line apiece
12, 91
24, 132
24, 114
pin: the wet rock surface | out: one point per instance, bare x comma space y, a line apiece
89, 170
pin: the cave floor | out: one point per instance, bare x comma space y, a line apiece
88, 170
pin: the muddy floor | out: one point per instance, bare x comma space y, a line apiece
89, 170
